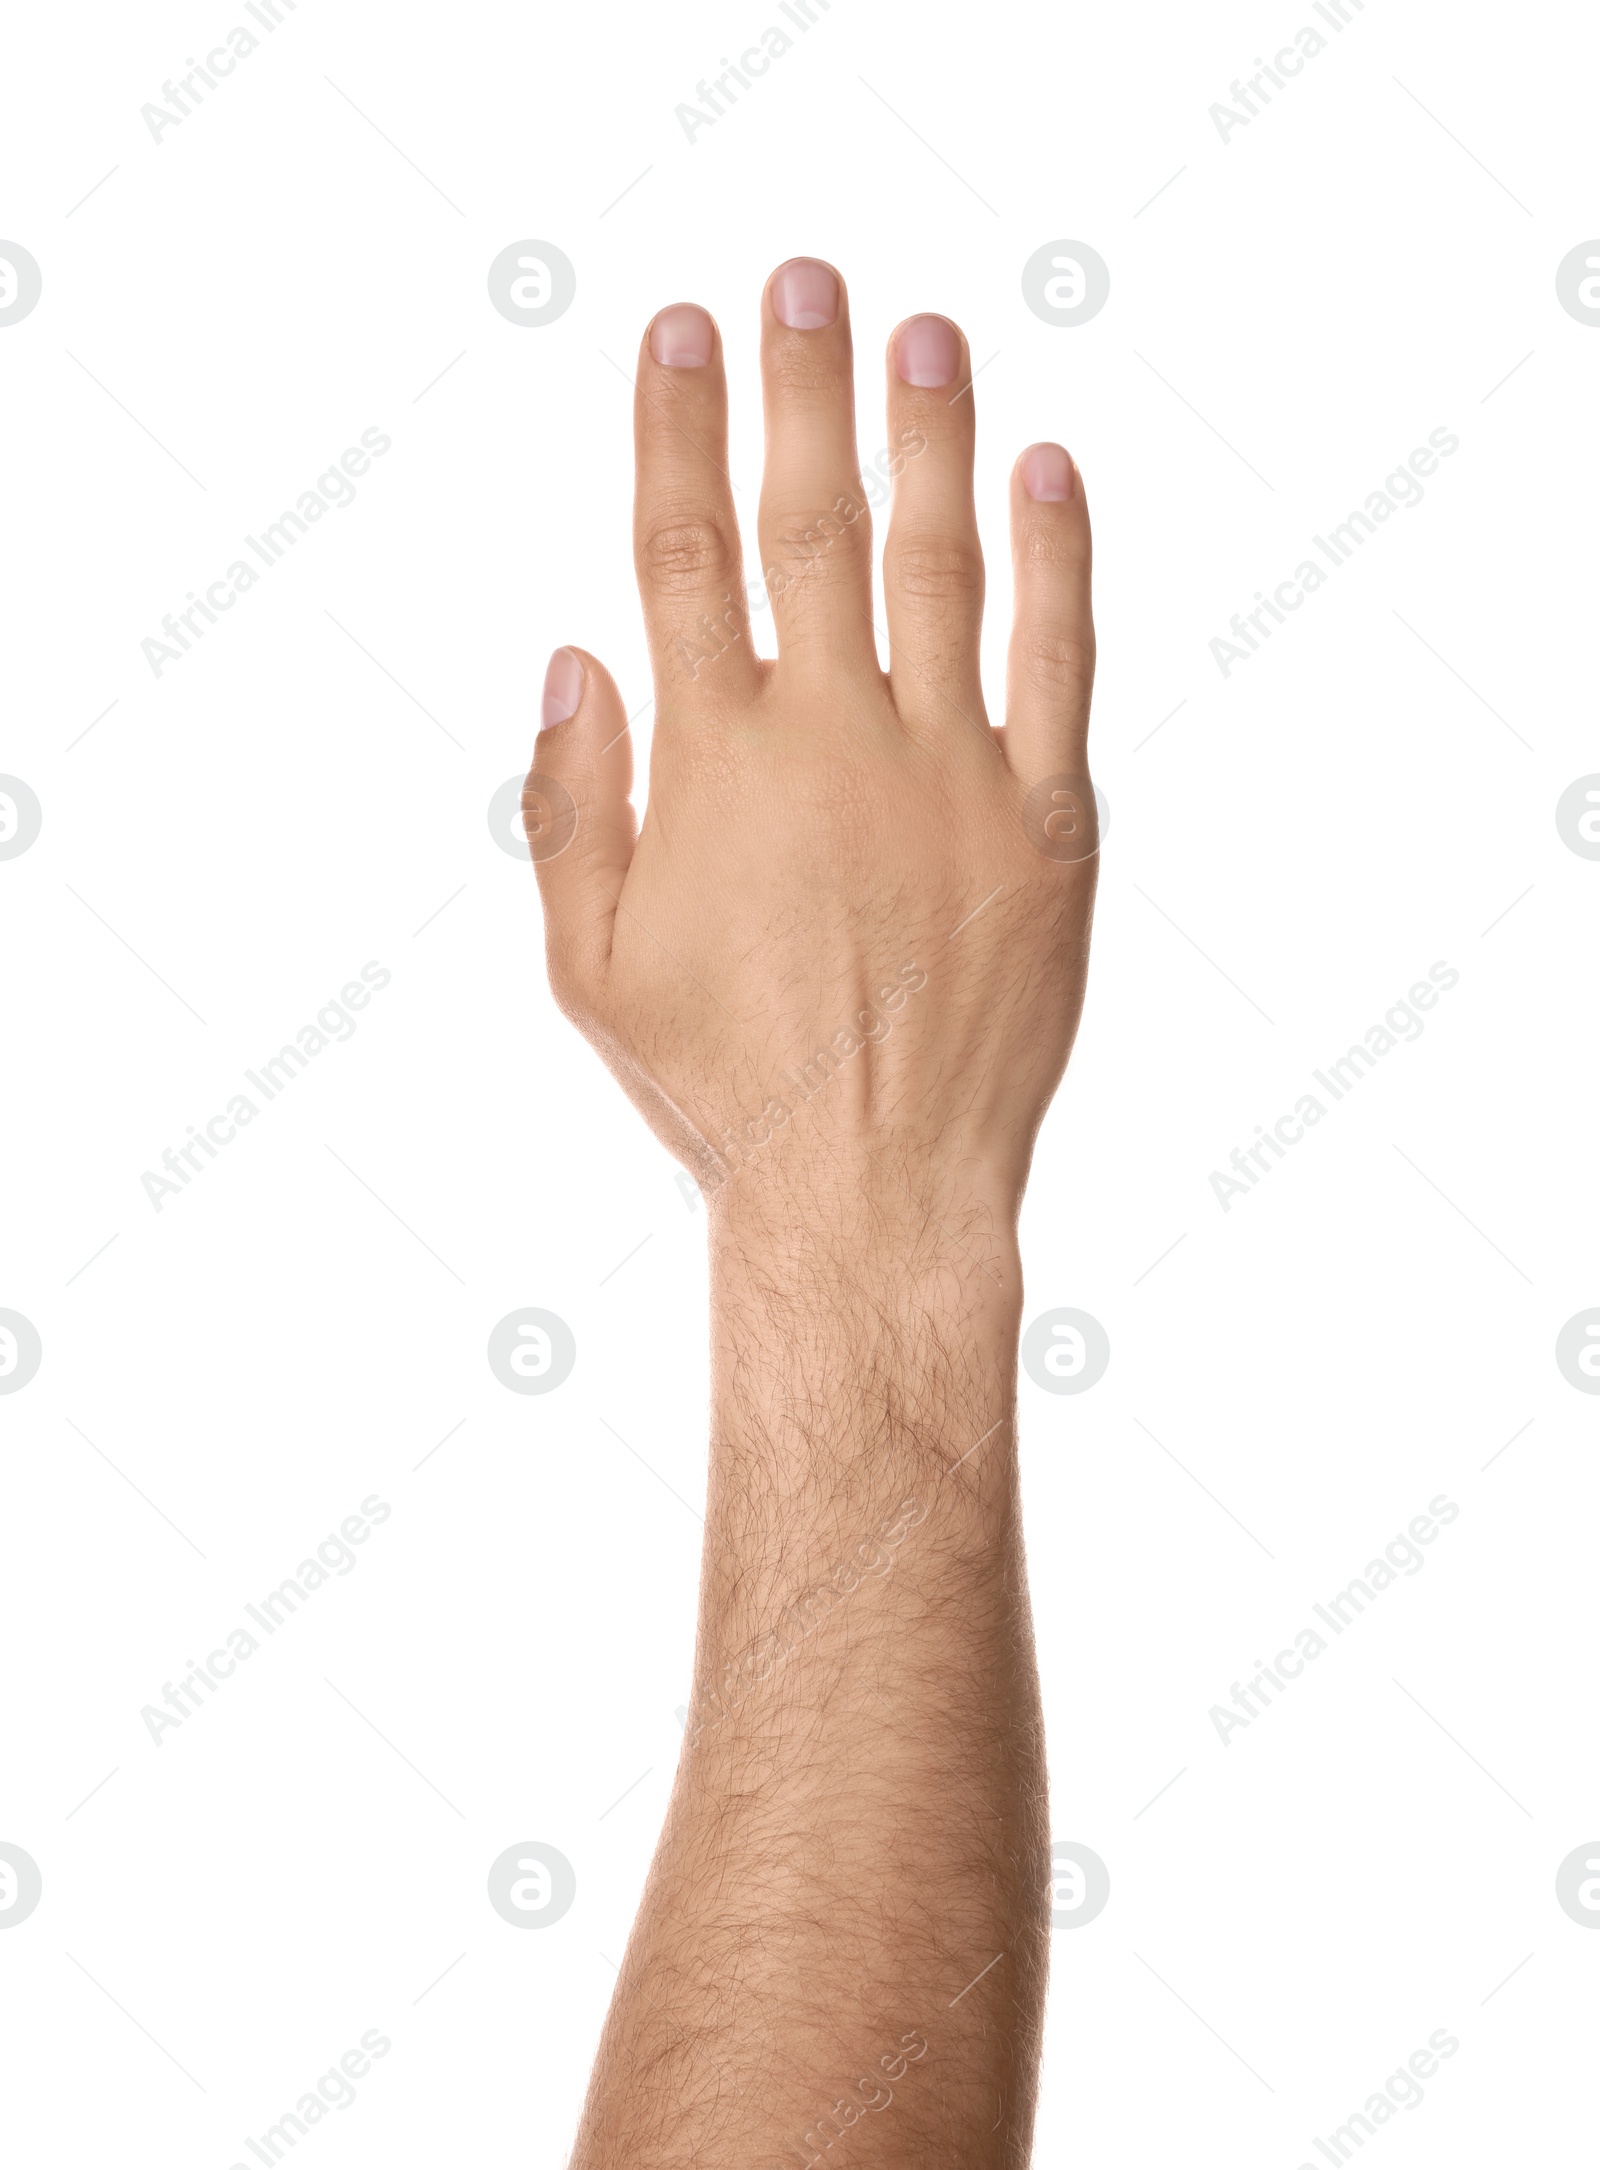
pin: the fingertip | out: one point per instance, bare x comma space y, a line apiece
1050, 525
583, 728
563, 688
576, 812
925, 352
1049, 474
682, 336
805, 294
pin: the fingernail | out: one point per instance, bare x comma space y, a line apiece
927, 351
805, 295
1047, 473
680, 337
563, 687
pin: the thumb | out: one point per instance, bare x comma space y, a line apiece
578, 818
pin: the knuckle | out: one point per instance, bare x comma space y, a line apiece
932, 571
1047, 548
1056, 663
821, 544
683, 554
795, 371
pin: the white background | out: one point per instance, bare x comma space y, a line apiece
1291, 849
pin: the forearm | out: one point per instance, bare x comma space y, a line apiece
844, 1925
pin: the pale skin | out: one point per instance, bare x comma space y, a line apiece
838, 969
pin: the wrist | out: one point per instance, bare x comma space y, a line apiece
868, 1244
872, 1320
